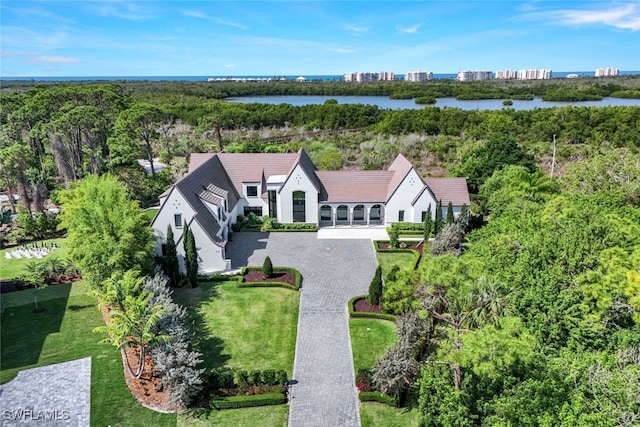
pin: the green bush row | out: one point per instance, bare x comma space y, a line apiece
360, 314
234, 402
219, 278
298, 283
375, 396
408, 226
294, 226
238, 378
398, 250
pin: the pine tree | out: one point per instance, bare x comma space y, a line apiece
171, 257
438, 222
267, 268
428, 223
450, 217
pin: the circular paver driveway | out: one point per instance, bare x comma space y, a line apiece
333, 271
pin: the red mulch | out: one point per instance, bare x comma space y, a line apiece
144, 388
412, 245
363, 306
278, 276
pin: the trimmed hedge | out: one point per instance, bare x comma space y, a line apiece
219, 278
408, 226
416, 254
289, 226
375, 396
234, 402
242, 284
363, 314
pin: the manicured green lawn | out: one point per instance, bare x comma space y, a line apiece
369, 340
265, 416
62, 333
405, 260
150, 213
10, 268
248, 328
373, 414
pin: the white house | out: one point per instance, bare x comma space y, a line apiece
288, 186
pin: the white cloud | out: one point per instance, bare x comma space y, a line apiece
228, 66
341, 50
122, 10
52, 59
624, 17
357, 30
408, 29
200, 15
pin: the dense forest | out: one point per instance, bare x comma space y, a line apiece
534, 322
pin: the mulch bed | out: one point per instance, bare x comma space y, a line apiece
278, 276
363, 306
412, 245
144, 389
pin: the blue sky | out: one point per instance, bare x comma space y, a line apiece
215, 38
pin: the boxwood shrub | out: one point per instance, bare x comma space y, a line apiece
298, 280
375, 396
234, 402
292, 226
363, 314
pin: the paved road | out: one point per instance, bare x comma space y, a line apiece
53, 395
333, 271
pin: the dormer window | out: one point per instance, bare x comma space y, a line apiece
252, 191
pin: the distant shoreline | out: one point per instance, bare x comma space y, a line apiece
555, 75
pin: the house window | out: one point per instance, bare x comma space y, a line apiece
255, 209
273, 204
342, 213
376, 213
358, 213
325, 213
177, 220
424, 215
400, 216
299, 206
252, 191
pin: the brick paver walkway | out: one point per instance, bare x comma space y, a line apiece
53, 395
333, 271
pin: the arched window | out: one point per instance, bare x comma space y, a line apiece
299, 207
376, 213
358, 213
342, 213
325, 213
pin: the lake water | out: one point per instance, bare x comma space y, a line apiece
399, 104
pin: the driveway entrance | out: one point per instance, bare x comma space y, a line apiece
333, 271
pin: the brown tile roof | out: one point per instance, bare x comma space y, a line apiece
197, 159
452, 190
355, 186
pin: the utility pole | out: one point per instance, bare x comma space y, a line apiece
553, 158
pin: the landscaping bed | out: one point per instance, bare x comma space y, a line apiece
256, 276
416, 246
363, 306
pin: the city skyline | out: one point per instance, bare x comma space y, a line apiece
151, 38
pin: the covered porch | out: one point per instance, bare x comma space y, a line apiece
351, 214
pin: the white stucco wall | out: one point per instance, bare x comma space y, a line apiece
210, 255
174, 203
402, 198
422, 205
298, 181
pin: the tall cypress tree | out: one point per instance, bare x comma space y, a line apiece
192, 260
438, 223
450, 216
171, 258
428, 223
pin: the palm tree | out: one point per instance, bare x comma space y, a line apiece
134, 326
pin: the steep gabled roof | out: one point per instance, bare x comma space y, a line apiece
355, 186
263, 164
208, 182
452, 190
304, 161
197, 159
400, 168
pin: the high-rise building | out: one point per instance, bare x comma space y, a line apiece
418, 76
607, 72
530, 74
472, 75
359, 76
